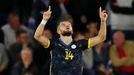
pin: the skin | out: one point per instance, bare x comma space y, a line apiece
26, 56
48, 33
79, 36
65, 26
14, 22
23, 39
2, 67
119, 39
92, 30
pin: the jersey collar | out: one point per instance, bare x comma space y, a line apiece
65, 45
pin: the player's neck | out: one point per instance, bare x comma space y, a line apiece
66, 39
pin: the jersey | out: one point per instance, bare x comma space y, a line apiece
67, 59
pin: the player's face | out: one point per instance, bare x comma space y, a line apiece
65, 28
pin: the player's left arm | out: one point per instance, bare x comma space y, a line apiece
102, 32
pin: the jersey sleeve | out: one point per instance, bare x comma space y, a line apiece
50, 44
85, 43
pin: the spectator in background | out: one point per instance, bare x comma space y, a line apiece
92, 29
26, 66
21, 42
11, 28
1, 36
87, 55
122, 54
100, 52
42, 56
102, 65
48, 33
79, 35
83, 11
32, 21
62, 8
3, 56
5, 7
122, 14
23, 8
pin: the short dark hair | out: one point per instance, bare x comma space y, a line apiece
30, 48
94, 21
65, 18
12, 14
19, 32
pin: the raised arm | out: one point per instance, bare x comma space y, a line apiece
39, 31
102, 33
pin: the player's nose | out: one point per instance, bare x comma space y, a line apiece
67, 25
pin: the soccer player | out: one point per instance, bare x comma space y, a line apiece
65, 52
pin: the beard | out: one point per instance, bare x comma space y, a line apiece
67, 33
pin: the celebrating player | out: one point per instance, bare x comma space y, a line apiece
65, 52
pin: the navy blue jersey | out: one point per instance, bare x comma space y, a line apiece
66, 59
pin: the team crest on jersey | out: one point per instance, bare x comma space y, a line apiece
73, 46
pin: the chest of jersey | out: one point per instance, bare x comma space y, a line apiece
66, 54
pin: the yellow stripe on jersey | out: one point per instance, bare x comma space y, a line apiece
48, 44
89, 43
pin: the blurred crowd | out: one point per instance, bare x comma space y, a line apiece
20, 54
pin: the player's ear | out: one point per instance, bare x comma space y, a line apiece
58, 31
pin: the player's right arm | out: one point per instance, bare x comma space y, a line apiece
39, 31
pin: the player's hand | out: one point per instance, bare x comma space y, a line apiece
103, 14
47, 14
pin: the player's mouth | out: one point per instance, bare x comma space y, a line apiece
68, 28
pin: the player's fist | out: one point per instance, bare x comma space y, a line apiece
103, 14
47, 14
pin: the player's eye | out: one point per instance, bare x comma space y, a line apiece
63, 24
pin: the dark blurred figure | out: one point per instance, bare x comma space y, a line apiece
3, 56
23, 8
48, 33
41, 6
83, 11
87, 55
32, 22
26, 66
5, 7
92, 29
122, 54
102, 63
21, 42
64, 7
42, 56
79, 36
11, 28
100, 52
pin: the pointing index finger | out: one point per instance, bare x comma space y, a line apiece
49, 9
100, 9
